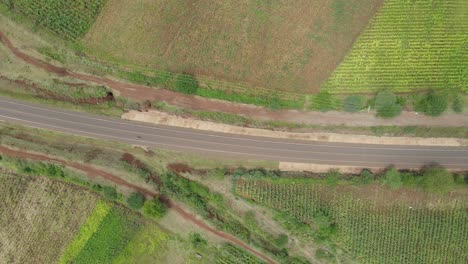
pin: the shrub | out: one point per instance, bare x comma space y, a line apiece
109, 192
386, 104
282, 240
324, 255
332, 177
197, 240
324, 101
392, 178
354, 103
186, 84
136, 200
432, 103
366, 177
457, 104
154, 208
437, 180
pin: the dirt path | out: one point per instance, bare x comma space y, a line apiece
97, 173
141, 93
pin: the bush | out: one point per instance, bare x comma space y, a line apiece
324, 101
432, 104
437, 180
136, 200
324, 255
109, 192
186, 84
457, 104
387, 105
354, 103
197, 240
366, 177
282, 240
332, 177
392, 178
154, 208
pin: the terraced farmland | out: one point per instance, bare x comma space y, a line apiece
408, 46
417, 227
68, 19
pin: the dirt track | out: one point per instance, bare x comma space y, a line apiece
141, 93
97, 173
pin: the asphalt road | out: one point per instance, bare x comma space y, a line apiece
229, 145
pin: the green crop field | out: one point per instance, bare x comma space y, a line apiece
374, 224
68, 19
408, 46
230, 254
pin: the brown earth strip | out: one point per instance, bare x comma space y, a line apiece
142, 93
94, 172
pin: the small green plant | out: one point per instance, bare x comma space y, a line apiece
392, 178
197, 240
354, 103
366, 177
386, 104
332, 177
136, 200
110, 192
282, 240
457, 104
154, 208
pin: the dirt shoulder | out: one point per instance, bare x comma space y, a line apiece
142, 93
162, 118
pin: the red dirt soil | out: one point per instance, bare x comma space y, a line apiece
94, 173
141, 93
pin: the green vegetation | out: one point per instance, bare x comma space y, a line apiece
154, 208
230, 254
86, 231
186, 84
136, 200
324, 101
409, 45
422, 230
437, 180
68, 19
354, 103
197, 240
432, 103
392, 178
386, 104
113, 235
457, 104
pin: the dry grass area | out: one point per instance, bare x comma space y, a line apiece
286, 45
35, 221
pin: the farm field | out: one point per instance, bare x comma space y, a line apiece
408, 46
418, 227
39, 217
282, 45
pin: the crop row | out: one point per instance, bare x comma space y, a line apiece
375, 232
409, 45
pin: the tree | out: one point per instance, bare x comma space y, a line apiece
186, 84
386, 104
109, 192
392, 178
457, 104
154, 208
354, 103
437, 180
136, 200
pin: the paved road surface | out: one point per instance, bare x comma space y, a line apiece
228, 145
